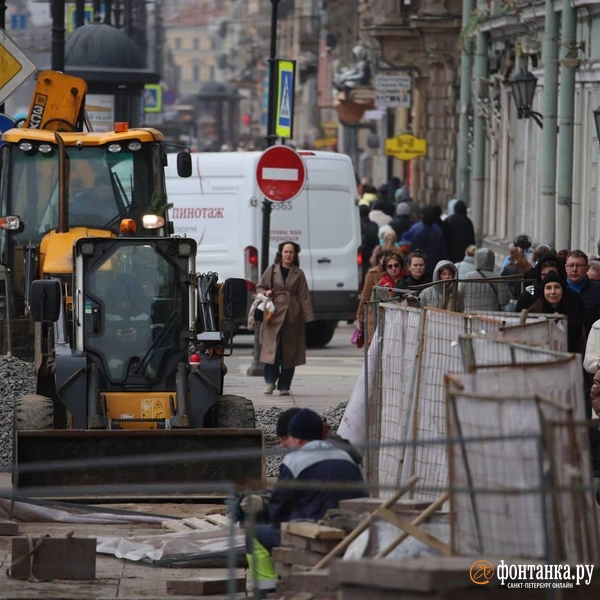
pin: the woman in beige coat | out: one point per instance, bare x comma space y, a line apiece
283, 337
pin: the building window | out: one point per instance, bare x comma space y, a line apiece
177, 43
196, 44
195, 73
212, 73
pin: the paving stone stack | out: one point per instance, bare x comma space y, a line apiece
303, 545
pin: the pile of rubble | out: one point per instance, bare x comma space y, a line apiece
266, 419
16, 379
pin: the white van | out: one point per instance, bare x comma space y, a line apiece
220, 207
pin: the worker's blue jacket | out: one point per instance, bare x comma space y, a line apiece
319, 462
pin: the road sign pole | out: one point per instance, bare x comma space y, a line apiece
256, 369
58, 35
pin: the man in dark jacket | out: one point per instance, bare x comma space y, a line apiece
312, 461
589, 291
459, 232
430, 241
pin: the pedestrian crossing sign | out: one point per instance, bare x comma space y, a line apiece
284, 114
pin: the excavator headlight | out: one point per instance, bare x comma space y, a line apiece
134, 146
114, 148
10, 223
26, 146
184, 249
45, 148
152, 221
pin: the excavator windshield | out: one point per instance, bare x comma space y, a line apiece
104, 185
135, 308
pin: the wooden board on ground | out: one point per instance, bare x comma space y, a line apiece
203, 586
364, 505
55, 558
313, 531
8, 527
314, 581
303, 543
220, 520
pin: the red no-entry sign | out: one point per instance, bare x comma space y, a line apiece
280, 173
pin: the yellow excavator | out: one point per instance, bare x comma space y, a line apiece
129, 340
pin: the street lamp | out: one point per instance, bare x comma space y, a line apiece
523, 89
597, 121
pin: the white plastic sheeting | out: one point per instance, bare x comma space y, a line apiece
155, 547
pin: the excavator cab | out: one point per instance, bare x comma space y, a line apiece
137, 369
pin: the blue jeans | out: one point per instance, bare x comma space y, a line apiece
276, 374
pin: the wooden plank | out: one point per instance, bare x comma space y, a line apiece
176, 525
220, 520
200, 524
302, 543
364, 505
312, 581
341, 547
313, 531
8, 527
203, 586
424, 516
291, 556
55, 558
414, 530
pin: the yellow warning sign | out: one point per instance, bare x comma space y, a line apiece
15, 67
153, 408
406, 147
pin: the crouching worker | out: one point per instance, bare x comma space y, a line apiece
313, 461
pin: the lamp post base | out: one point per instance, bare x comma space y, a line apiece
256, 369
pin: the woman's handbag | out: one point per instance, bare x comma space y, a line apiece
358, 337
259, 313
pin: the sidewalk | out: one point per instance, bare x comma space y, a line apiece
324, 381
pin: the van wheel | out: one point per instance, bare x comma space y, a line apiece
234, 412
319, 333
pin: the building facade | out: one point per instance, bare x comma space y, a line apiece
521, 177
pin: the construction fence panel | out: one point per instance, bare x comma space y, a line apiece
507, 522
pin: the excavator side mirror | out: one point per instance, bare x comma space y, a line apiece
235, 300
45, 300
184, 164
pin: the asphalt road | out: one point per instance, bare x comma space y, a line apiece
325, 380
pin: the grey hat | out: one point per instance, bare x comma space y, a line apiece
402, 209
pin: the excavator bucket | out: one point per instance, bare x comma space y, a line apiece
53, 462
57, 103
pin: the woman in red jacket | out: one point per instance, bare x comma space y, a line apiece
394, 273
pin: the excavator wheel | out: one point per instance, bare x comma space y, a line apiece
234, 412
34, 413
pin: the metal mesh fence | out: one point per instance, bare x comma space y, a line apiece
546, 401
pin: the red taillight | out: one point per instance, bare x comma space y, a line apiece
306, 153
251, 267
359, 263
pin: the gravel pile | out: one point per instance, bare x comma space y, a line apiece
16, 379
266, 419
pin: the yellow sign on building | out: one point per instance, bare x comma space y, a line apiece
405, 147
